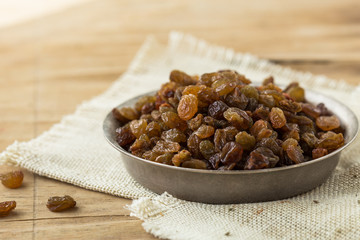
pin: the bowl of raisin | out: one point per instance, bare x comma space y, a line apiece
217, 138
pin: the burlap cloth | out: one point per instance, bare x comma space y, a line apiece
76, 152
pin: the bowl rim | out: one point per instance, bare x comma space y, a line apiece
232, 172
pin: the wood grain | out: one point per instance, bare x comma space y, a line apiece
50, 65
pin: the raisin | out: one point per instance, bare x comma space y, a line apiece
310, 110
129, 113
250, 92
207, 149
319, 152
172, 120
6, 208
297, 93
237, 99
330, 141
268, 80
205, 131
167, 90
295, 154
195, 163
174, 135
150, 155
238, 118
271, 144
188, 106
246, 140
230, 133
215, 160
289, 142
195, 122
261, 112
12, 179
291, 130
165, 158
217, 109
267, 100
208, 78
153, 129
219, 139
181, 157
166, 146
223, 86
140, 145
156, 115
181, 78
144, 100
261, 158
165, 107
138, 127
124, 136
206, 96
59, 204
193, 143
277, 117
275, 94
291, 106
310, 139
252, 104
193, 89
326, 123
231, 153
125, 114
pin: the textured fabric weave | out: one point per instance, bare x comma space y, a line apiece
76, 152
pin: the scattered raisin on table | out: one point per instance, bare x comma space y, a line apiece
6, 208
59, 204
220, 121
12, 179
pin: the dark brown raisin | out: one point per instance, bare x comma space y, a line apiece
59, 204
6, 208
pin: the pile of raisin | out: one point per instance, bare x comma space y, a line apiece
219, 121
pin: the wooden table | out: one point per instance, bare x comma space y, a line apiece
50, 65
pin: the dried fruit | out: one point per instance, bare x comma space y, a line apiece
181, 157
6, 208
327, 123
217, 109
219, 121
124, 136
188, 107
277, 117
166, 146
138, 127
319, 152
205, 131
59, 204
331, 141
195, 122
12, 179
173, 135
231, 153
238, 118
261, 158
181, 78
246, 140
207, 149
194, 163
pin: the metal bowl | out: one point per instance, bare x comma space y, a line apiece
237, 186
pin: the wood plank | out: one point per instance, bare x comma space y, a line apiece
50, 65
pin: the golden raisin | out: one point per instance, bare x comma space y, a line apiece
327, 123
12, 179
188, 107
